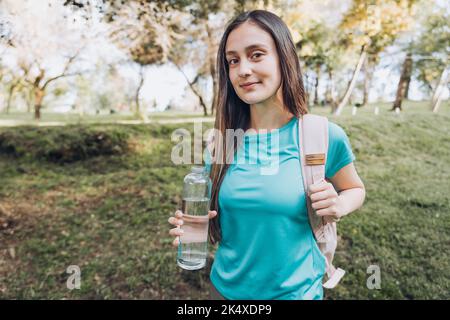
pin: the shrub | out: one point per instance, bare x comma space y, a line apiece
65, 144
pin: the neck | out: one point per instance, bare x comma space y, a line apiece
269, 115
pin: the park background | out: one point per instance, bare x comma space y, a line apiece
92, 91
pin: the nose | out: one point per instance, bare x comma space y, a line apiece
244, 69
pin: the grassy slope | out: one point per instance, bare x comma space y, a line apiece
109, 216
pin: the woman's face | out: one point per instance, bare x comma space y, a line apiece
253, 63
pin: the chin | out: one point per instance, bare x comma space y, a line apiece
253, 100
250, 101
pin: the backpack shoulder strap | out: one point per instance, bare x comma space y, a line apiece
313, 142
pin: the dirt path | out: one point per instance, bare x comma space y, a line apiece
15, 123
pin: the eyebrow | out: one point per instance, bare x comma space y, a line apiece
251, 47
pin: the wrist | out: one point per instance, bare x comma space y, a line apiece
343, 210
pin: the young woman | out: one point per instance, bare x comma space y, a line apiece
266, 246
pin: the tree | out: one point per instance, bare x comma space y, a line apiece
371, 27
203, 36
16, 84
43, 43
144, 30
316, 51
431, 53
155, 30
312, 54
146, 33
322, 56
197, 48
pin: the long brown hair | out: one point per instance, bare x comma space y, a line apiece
233, 113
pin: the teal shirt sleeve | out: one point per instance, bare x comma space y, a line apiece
340, 152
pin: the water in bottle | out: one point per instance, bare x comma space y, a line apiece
193, 247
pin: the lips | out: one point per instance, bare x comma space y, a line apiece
248, 84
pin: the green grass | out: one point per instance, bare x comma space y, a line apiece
108, 213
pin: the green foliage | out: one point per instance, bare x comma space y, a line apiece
432, 49
376, 23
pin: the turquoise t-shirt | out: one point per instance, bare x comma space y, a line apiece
267, 249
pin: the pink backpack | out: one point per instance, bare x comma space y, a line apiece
313, 140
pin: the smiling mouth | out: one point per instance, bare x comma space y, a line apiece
250, 85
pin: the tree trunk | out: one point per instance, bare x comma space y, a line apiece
352, 84
328, 98
438, 93
408, 82
402, 83
38, 97
191, 85
137, 111
316, 86
10, 95
437, 103
307, 88
212, 66
30, 101
368, 75
202, 103
330, 95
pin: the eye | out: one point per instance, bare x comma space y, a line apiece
255, 55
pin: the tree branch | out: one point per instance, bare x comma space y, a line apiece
191, 84
66, 68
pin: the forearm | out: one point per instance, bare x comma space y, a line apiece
351, 199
